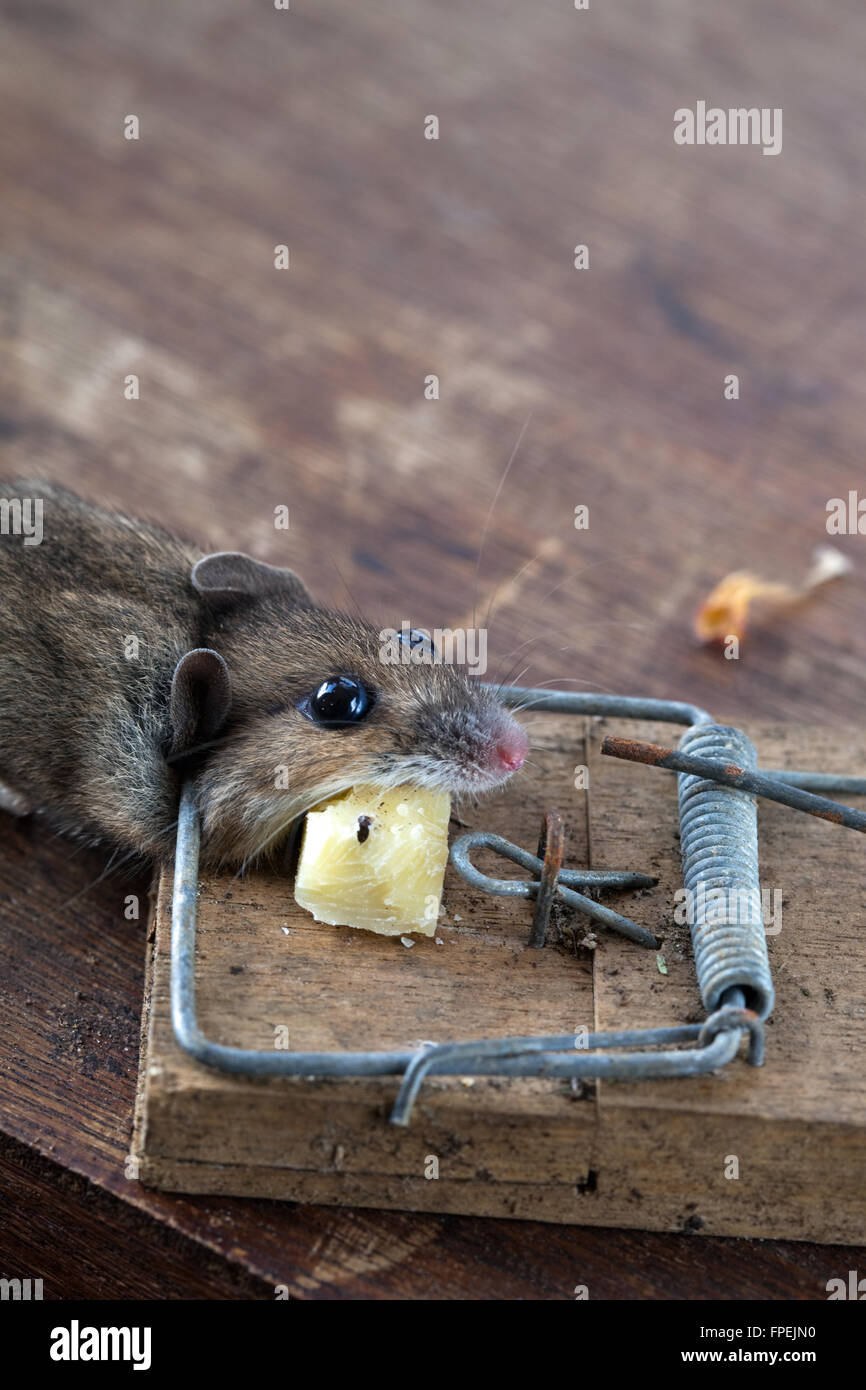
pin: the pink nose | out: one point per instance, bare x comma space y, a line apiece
511, 749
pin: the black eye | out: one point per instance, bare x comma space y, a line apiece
338, 700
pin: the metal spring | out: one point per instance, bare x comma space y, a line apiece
719, 843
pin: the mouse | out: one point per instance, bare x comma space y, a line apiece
132, 662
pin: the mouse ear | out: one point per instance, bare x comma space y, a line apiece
201, 696
229, 575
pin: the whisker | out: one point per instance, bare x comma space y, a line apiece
585, 569
531, 704
513, 680
489, 516
132, 854
546, 552
611, 559
296, 815
500, 682
198, 748
352, 597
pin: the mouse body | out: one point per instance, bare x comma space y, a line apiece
130, 660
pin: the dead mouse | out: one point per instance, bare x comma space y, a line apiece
128, 660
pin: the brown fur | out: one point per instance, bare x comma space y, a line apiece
90, 739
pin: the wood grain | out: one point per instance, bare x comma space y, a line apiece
649, 1154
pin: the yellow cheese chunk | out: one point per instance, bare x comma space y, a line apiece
376, 859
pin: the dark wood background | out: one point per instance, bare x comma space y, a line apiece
306, 387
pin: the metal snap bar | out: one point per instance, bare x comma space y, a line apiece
789, 789
557, 1057
719, 845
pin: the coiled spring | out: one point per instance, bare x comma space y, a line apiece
719, 838
719, 843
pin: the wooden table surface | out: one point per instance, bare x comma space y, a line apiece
305, 387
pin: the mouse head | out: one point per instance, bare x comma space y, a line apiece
298, 703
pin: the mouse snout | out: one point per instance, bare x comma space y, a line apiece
473, 746
509, 749
504, 745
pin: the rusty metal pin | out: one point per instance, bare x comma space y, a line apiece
731, 775
551, 849
528, 888
727, 973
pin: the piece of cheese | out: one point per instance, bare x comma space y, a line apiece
376, 859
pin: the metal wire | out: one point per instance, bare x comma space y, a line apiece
614, 706
717, 1042
523, 888
719, 844
788, 790
559, 1055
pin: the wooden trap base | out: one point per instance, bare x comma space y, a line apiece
654, 1154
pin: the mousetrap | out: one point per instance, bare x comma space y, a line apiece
547, 1055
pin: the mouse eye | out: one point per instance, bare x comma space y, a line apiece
338, 700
